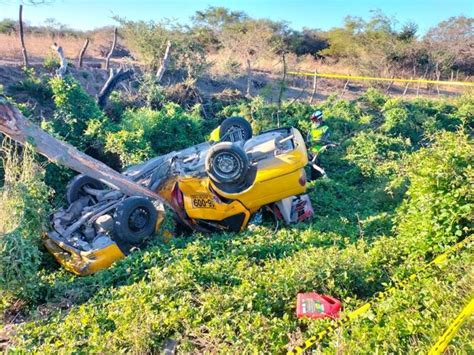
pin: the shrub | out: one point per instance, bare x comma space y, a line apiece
131, 146
376, 154
374, 98
8, 26
465, 110
151, 91
74, 110
23, 209
439, 209
36, 87
236, 292
145, 132
51, 62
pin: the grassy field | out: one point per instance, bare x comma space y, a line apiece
398, 192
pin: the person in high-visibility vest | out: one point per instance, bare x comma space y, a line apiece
316, 139
318, 132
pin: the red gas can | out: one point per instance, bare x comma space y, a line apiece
313, 305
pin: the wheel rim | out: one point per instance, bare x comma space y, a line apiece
227, 165
138, 219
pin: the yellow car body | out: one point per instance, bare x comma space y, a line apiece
83, 262
207, 205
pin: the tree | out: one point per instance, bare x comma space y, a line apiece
7, 26
451, 44
344, 41
216, 18
247, 40
308, 41
150, 41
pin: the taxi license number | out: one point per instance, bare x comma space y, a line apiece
202, 201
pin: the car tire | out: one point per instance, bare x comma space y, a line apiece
75, 188
226, 162
235, 129
135, 220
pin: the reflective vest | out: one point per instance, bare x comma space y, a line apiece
317, 134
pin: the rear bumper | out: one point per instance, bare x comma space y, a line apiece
79, 262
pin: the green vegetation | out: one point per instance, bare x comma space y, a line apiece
145, 133
399, 192
23, 209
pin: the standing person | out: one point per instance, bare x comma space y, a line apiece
316, 140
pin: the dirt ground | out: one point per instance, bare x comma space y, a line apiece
265, 81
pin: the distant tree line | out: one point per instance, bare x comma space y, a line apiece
378, 46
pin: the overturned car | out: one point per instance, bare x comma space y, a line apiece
213, 186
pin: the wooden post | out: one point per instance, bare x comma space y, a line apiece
283, 80
249, 78
344, 89
406, 87
22, 39
164, 63
114, 43
315, 78
438, 74
81, 54
389, 86
419, 84
18, 128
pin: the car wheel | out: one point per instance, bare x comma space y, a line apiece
75, 188
235, 129
227, 162
134, 220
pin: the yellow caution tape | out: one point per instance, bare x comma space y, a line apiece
370, 78
379, 296
443, 342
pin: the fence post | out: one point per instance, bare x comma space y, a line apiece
82, 52
406, 87
283, 81
22, 40
315, 83
344, 89
389, 86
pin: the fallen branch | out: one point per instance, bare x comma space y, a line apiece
112, 81
63, 62
17, 127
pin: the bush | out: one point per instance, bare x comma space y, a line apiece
7, 26
145, 132
75, 109
396, 195
51, 62
377, 154
439, 209
151, 91
23, 209
36, 87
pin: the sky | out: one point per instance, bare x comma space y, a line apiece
322, 14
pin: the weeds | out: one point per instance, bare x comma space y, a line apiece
399, 191
23, 208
